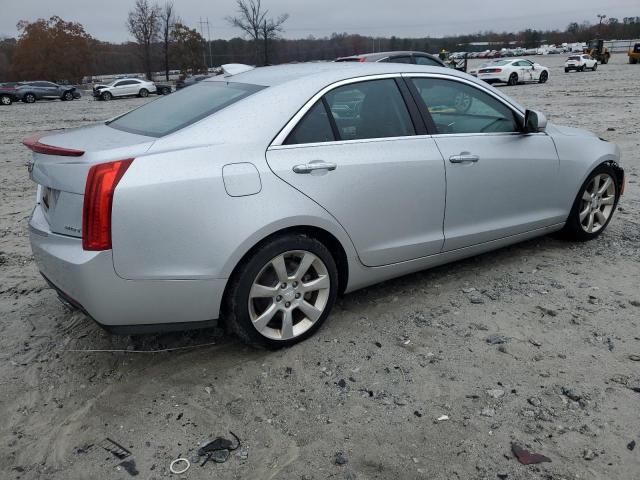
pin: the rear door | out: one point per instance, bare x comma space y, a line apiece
358, 152
500, 182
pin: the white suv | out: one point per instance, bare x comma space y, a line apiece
580, 63
124, 87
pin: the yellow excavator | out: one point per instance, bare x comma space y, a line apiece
634, 54
597, 50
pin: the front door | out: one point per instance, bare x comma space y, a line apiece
356, 153
500, 182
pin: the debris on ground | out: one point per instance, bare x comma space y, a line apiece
496, 339
129, 466
589, 454
341, 459
219, 449
526, 457
631, 445
114, 448
442, 418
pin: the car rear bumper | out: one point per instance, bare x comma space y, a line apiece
87, 281
491, 78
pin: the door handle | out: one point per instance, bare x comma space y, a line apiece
314, 166
464, 158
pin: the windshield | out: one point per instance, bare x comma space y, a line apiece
178, 110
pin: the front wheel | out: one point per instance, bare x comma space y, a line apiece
513, 79
544, 76
566, 70
29, 98
68, 96
595, 66
106, 96
282, 293
144, 93
594, 205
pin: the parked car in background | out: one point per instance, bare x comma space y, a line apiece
416, 58
163, 89
126, 87
513, 72
29, 92
210, 203
580, 63
8, 93
192, 80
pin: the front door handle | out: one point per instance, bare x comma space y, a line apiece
314, 166
464, 158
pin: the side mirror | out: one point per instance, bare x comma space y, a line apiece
534, 121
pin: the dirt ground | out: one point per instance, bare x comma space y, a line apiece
537, 344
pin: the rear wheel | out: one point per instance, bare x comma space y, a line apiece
513, 79
67, 96
595, 66
165, 90
566, 70
106, 96
544, 76
144, 93
6, 100
283, 292
581, 69
594, 205
29, 98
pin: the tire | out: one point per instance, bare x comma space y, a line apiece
165, 91
67, 96
544, 76
29, 98
595, 67
144, 93
6, 100
106, 96
581, 69
243, 310
584, 205
462, 102
566, 70
513, 79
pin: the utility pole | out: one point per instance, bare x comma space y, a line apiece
204, 23
601, 17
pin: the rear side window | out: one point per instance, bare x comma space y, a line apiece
405, 59
426, 61
370, 109
178, 110
314, 127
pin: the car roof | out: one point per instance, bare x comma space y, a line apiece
324, 73
381, 55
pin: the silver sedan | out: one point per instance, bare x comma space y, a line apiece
257, 197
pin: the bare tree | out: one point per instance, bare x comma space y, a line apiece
168, 20
252, 19
144, 24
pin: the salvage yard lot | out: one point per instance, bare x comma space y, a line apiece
536, 344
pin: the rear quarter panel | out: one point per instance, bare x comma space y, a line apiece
173, 219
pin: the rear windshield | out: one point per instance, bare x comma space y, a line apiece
574, 58
178, 110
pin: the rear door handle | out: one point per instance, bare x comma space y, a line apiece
464, 158
314, 166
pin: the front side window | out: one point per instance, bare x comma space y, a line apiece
457, 107
178, 110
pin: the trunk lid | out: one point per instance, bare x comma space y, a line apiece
61, 163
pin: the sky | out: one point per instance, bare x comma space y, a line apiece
105, 20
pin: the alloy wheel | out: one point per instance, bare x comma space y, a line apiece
5, 100
289, 295
597, 203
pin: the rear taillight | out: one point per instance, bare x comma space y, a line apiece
98, 202
362, 59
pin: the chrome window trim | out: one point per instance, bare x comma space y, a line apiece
291, 124
278, 141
